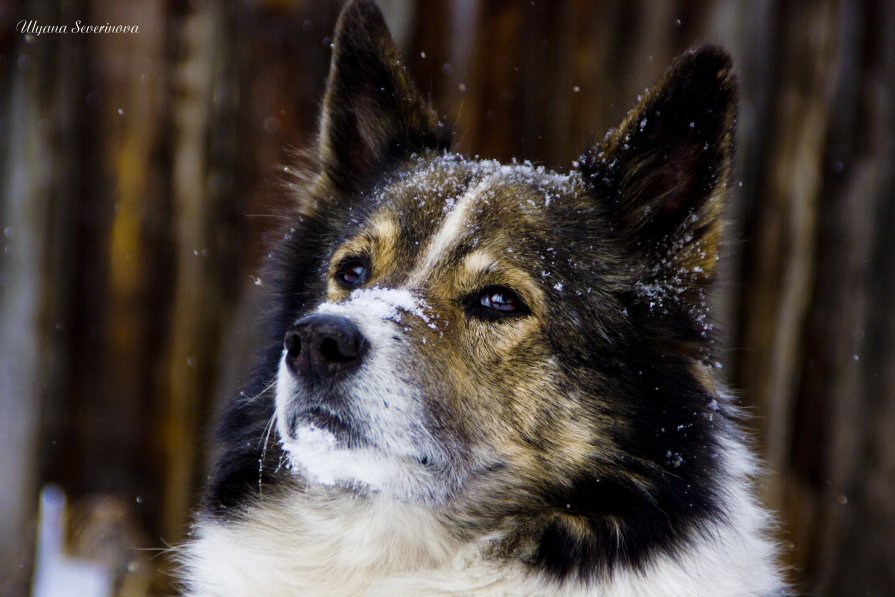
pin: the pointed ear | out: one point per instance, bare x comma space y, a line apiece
664, 171
372, 114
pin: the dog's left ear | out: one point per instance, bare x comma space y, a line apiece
663, 172
372, 113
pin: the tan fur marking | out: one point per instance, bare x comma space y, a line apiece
384, 227
478, 262
379, 243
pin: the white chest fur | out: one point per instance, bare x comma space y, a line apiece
312, 545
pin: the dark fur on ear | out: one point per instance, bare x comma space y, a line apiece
663, 172
372, 113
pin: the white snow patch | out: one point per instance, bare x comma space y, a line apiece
316, 453
383, 303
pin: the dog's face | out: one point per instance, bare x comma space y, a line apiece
452, 302
464, 328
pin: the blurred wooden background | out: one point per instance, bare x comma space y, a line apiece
139, 174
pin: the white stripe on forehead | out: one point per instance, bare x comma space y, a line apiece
449, 234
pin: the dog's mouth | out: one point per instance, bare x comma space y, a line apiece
334, 423
344, 433
324, 419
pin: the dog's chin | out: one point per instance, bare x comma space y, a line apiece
335, 457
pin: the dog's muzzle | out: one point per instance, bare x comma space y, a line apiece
322, 349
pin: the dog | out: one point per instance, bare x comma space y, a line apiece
491, 379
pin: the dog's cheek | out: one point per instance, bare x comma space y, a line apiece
439, 372
531, 416
511, 378
495, 346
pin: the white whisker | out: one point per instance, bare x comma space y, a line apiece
264, 390
266, 434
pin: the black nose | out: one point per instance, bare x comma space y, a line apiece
324, 347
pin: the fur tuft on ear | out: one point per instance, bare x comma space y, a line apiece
372, 113
663, 172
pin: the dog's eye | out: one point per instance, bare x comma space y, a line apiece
499, 300
495, 302
353, 272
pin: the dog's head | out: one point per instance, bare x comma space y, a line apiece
459, 329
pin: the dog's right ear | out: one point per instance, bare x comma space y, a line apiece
372, 113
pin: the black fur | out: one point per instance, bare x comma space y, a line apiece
373, 113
